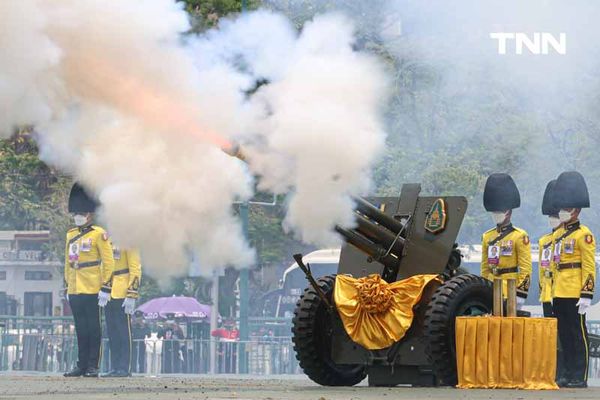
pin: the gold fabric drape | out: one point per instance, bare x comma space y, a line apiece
506, 352
375, 313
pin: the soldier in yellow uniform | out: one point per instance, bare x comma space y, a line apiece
546, 268
506, 251
89, 266
574, 256
125, 285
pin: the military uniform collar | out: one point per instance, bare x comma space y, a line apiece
504, 228
85, 227
573, 225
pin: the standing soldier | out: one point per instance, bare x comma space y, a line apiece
89, 266
574, 251
547, 267
125, 285
506, 251
546, 248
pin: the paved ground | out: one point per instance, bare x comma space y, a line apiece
260, 388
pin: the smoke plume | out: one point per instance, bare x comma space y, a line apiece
138, 113
460, 111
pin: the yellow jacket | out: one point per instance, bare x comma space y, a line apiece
89, 262
546, 268
509, 257
574, 251
128, 273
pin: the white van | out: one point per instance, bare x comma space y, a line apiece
322, 262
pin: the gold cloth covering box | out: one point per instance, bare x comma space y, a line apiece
506, 352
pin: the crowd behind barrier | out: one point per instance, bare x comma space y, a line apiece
49, 345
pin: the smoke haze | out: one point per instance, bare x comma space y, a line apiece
137, 113
530, 115
460, 111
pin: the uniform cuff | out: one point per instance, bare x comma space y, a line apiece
132, 294
522, 295
106, 289
587, 295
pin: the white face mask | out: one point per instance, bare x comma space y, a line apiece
554, 222
564, 216
499, 216
80, 219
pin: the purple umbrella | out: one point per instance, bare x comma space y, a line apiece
180, 307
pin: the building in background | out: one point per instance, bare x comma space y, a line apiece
30, 278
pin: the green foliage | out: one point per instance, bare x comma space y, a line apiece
149, 289
205, 14
449, 126
32, 195
267, 236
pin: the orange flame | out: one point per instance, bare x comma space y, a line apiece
145, 101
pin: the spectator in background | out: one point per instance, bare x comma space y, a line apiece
153, 356
139, 332
172, 356
227, 335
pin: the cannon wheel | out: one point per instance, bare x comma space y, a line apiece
312, 333
465, 294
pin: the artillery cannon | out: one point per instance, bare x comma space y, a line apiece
395, 238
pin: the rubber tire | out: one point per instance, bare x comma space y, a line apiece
445, 305
309, 327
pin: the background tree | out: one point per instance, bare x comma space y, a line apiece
450, 120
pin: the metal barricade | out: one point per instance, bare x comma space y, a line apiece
49, 345
54, 353
37, 352
594, 363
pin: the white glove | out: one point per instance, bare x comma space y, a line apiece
103, 298
584, 303
520, 303
129, 305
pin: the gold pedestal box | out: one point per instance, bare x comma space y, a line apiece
506, 352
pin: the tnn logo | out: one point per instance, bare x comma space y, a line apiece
539, 44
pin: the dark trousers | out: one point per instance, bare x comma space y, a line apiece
548, 310
560, 369
86, 315
573, 336
118, 327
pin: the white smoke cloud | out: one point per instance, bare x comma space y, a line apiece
135, 112
319, 130
21, 97
325, 120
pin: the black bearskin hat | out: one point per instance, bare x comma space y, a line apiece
571, 191
548, 201
501, 193
80, 201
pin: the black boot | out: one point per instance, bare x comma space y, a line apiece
577, 384
562, 381
91, 373
74, 372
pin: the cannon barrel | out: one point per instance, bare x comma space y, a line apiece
379, 235
368, 209
373, 250
235, 150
